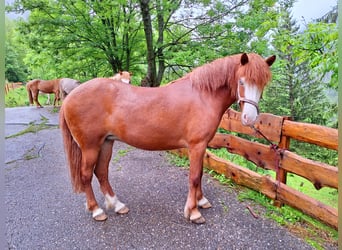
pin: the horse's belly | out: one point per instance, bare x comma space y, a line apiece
151, 140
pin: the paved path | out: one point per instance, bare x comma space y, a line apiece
44, 213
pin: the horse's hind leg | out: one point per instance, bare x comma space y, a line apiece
57, 99
89, 158
101, 172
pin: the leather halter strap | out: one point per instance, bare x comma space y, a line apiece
245, 100
242, 99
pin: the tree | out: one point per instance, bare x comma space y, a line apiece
181, 38
68, 37
15, 69
295, 90
88, 32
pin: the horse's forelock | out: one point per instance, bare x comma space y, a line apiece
255, 71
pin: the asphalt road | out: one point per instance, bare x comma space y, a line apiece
44, 213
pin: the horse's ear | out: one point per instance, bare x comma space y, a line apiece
120, 72
271, 60
244, 59
130, 73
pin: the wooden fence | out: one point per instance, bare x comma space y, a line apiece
279, 130
12, 86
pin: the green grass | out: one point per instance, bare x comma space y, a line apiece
19, 97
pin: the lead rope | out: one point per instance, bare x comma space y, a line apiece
278, 151
273, 146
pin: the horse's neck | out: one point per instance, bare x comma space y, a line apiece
221, 100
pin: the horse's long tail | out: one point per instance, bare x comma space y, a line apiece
73, 153
29, 93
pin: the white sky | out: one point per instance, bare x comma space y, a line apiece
311, 9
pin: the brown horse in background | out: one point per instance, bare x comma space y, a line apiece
123, 76
46, 86
183, 114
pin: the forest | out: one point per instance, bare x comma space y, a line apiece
159, 41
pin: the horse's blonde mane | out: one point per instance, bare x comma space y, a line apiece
224, 72
215, 74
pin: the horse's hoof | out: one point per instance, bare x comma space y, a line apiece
206, 205
99, 215
199, 220
123, 210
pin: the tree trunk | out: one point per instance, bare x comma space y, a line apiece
150, 79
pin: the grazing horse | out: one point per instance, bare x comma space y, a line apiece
183, 114
122, 76
66, 85
45, 86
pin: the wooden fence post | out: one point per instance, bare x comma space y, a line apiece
281, 174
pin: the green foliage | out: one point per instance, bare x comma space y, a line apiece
78, 39
18, 97
16, 70
315, 153
319, 43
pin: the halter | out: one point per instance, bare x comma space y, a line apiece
245, 100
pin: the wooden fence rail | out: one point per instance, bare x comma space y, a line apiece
279, 130
12, 86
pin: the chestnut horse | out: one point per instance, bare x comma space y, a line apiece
183, 114
122, 76
45, 86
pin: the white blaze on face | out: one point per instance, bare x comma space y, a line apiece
125, 80
250, 112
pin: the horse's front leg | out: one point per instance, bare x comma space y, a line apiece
35, 98
202, 202
191, 211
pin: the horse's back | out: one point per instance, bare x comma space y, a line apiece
148, 118
49, 86
31, 83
